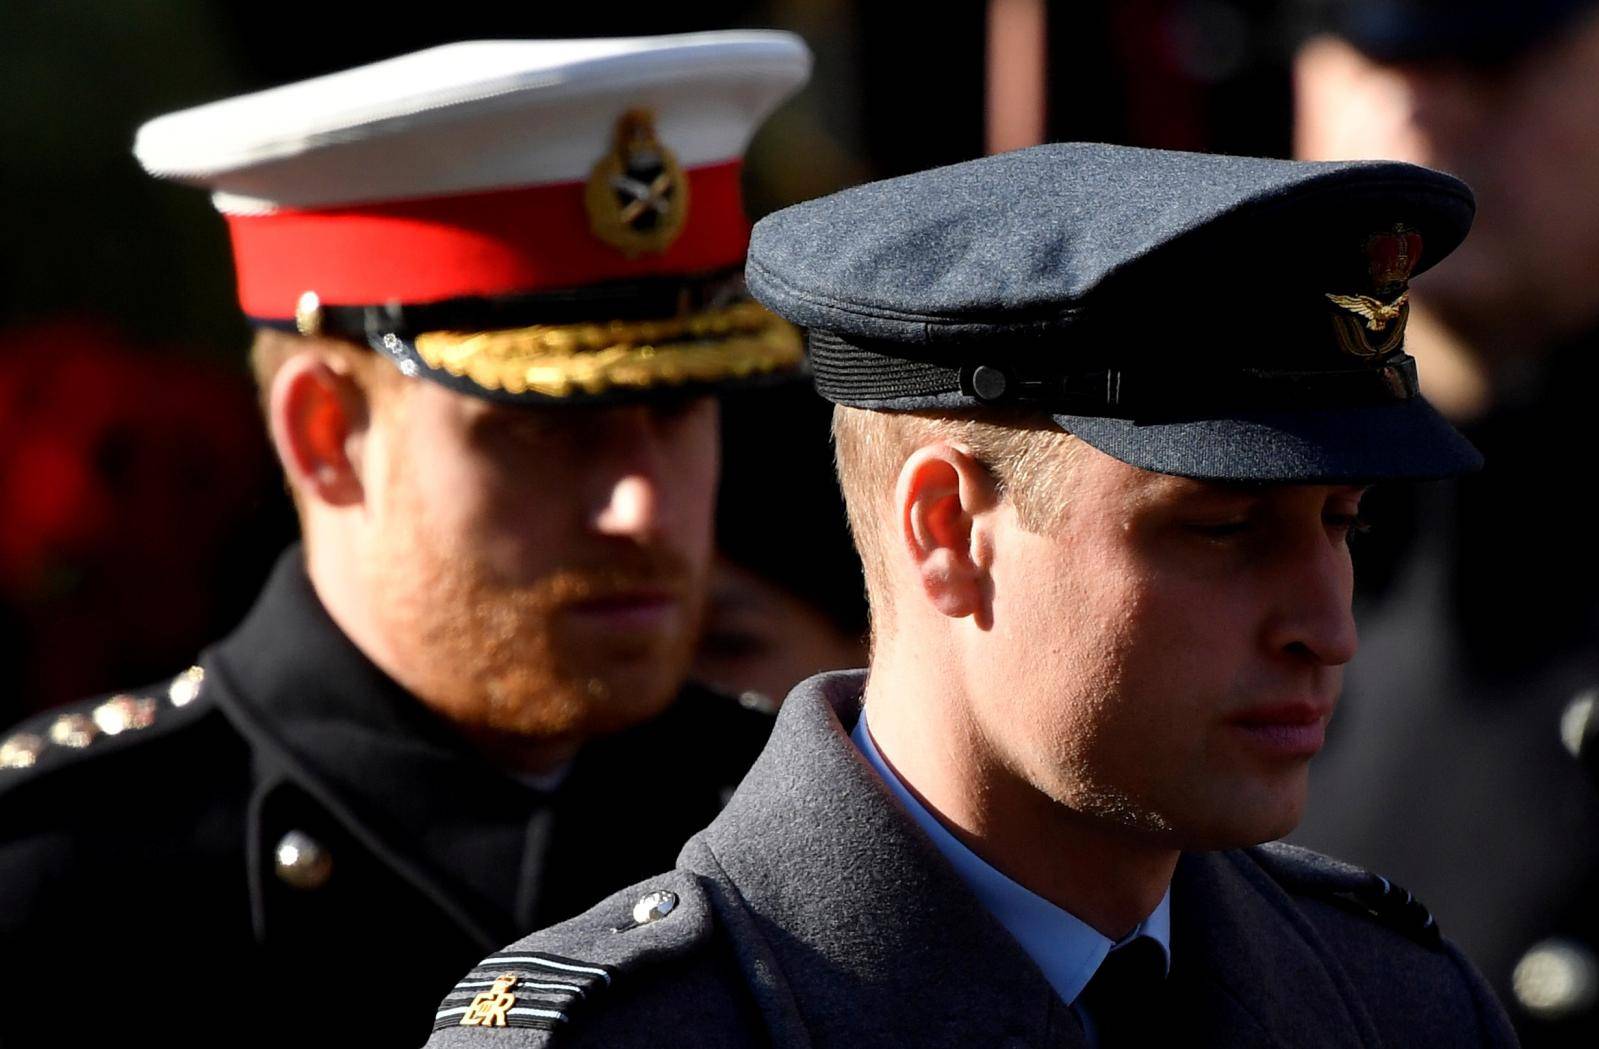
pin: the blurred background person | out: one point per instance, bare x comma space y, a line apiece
786, 598
1480, 629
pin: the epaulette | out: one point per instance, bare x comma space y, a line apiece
554, 978
1312, 874
61, 737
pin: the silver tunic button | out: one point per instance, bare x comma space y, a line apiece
759, 702
1556, 979
302, 861
653, 907
1575, 720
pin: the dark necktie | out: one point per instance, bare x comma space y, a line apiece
1124, 1000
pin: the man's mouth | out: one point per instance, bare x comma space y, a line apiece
1289, 730
633, 610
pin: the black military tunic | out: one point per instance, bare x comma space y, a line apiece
262, 848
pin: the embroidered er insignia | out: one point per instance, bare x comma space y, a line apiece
489, 1008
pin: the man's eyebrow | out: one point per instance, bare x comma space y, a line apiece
1172, 487
1167, 484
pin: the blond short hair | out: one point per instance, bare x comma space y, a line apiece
1026, 454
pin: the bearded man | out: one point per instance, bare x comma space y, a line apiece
496, 286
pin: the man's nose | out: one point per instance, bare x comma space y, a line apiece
630, 508
1315, 617
629, 499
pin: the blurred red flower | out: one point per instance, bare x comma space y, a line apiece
124, 473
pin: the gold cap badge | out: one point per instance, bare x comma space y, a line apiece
636, 197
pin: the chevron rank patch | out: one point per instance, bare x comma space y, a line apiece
521, 989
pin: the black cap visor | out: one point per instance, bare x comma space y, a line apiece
1402, 440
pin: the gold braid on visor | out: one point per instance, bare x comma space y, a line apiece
558, 360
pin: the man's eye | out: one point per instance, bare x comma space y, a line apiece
1349, 524
1220, 529
532, 427
675, 409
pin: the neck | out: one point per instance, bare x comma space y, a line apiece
1108, 876
332, 563
523, 754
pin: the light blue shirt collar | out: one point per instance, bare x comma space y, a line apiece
1067, 950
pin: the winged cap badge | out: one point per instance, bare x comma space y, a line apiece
1391, 258
1378, 314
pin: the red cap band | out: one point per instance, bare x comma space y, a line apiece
504, 242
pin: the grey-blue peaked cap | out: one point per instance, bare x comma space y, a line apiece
1217, 317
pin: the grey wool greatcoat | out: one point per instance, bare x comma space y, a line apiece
813, 913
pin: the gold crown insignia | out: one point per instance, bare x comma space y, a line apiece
1392, 257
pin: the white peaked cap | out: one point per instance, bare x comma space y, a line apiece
472, 116
525, 220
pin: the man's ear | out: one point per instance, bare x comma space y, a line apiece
318, 417
941, 492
